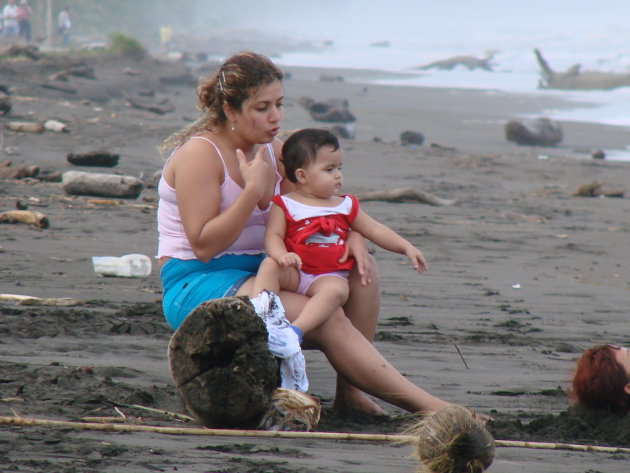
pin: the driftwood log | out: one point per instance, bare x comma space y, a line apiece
406, 194
28, 217
101, 185
26, 127
576, 79
94, 158
469, 62
18, 172
221, 364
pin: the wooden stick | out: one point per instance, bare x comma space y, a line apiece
174, 415
29, 421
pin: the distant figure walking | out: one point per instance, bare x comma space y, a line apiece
10, 16
24, 20
64, 25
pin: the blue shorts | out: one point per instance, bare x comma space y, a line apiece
188, 283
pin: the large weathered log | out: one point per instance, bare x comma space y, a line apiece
575, 79
469, 62
221, 364
101, 185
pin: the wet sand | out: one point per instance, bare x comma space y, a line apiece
523, 276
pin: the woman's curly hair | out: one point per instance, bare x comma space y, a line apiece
238, 78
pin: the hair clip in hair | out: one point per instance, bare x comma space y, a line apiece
220, 83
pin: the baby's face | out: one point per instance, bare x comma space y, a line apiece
323, 176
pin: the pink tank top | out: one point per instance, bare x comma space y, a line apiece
172, 240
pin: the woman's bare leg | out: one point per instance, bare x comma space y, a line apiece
358, 362
362, 309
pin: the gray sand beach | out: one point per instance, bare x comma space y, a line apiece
523, 275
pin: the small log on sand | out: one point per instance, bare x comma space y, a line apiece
221, 364
162, 107
575, 79
18, 172
406, 194
598, 189
101, 185
26, 127
94, 158
28, 217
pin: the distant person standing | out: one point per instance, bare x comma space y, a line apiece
24, 20
10, 16
64, 25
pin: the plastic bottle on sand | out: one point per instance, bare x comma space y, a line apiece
127, 266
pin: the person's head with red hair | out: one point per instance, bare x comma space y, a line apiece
602, 379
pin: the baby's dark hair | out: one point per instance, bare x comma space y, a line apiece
301, 148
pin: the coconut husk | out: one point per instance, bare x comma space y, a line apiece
291, 411
452, 440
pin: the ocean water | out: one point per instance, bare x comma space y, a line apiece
344, 34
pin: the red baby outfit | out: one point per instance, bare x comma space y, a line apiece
318, 234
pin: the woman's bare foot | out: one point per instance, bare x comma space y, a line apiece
357, 402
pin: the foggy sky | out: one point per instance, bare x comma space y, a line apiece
391, 19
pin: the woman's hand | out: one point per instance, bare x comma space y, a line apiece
356, 246
255, 173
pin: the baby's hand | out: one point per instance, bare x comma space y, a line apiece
290, 259
417, 259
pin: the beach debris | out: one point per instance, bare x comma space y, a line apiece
344, 130
291, 410
40, 301
56, 126
101, 185
161, 106
334, 110
469, 62
5, 102
99, 158
25, 127
126, 266
406, 194
26, 50
221, 365
28, 217
576, 79
78, 70
598, 154
409, 137
331, 78
540, 132
452, 440
60, 87
598, 189
17, 172
516, 286
182, 79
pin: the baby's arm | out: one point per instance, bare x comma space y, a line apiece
388, 239
274, 239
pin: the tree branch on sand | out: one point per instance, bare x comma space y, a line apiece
576, 79
406, 194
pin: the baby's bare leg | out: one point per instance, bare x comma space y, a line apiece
273, 277
327, 294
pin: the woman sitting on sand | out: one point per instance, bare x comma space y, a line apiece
214, 201
602, 379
